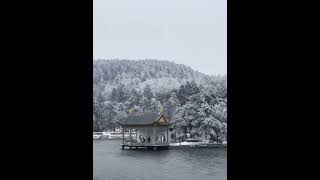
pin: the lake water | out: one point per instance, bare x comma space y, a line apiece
110, 162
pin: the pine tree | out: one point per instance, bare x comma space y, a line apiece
147, 92
197, 102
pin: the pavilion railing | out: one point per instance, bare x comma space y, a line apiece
146, 143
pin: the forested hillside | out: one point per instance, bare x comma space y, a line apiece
197, 102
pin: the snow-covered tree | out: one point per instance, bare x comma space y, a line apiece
147, 92
155, 105
172, 105
186, 117
186, 91
135, 110
144, 104
197, 102
121, 111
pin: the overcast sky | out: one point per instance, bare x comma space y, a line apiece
190, 32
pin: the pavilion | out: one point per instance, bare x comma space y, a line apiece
152, 131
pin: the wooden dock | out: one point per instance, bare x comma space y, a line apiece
200, 146
148, 146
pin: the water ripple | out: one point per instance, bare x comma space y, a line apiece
112, 163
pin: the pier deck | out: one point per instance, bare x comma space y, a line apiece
136, 145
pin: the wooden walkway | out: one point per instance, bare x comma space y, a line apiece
201, 146
151, 146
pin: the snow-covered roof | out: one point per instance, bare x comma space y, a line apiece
145, 119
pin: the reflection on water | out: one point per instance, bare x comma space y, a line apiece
112, 163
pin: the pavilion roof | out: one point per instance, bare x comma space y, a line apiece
145, 119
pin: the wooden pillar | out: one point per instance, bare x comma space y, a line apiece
167, 133
130, 135
144, 134
123, 134
154, 133
175, 135
136, 135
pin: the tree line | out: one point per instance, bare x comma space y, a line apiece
196, 108
200, 111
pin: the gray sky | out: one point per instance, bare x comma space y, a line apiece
190, 32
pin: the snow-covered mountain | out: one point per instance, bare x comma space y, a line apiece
195, 101
162, 76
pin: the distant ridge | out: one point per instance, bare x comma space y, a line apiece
161, 75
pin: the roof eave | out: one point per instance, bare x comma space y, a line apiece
136, 124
